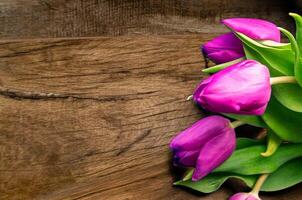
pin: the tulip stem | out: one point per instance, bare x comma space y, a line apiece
235, 124
283, 79
259, 184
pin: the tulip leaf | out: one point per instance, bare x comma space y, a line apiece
249, 119
279, 60
270, 43
219, 67
248, 161
296, 50
273, 142
213, 181
242, 143
286, 176
284, 122
290, 95
298, 20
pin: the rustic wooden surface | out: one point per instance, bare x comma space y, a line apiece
90, 118
73, 18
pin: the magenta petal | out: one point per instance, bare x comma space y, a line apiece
187, 145
243, 88
214, 153
257, 29
186, 158
244, 196
224, 48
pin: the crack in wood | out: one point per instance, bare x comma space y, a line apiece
18, 94
138, 139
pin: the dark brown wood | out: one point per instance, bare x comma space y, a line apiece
74, 18
92, 118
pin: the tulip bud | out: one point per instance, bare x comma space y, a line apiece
244, 196
224, 48
205, 145
228, 47
243, 88
256, 29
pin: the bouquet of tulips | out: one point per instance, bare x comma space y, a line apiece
257, 81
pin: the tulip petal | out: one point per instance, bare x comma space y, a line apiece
186, 146
244, 196
256, 29
214, 153
186, 158
243, 88
224, 48
199, 133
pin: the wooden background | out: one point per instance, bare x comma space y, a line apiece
92, 91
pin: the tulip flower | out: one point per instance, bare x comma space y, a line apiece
205, 145
254, 194
242, 88
228, 47
224, 48
244, 196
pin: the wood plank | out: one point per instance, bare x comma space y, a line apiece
74, 18
91, 118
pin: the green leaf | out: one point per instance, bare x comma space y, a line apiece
249, 119
290, 95
296, 50
242, 143
270, 43
286, 176
283, 177
284, 122
212, 182
298, 20
278, 59
219, 67
248, 161
273, 142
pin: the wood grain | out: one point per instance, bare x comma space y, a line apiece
82, 18
92, 118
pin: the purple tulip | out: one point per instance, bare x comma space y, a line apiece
256, 29
244, 196
243, 88
205, 145
228, 47
224, 48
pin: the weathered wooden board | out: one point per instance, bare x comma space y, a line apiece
91, 118
73, 18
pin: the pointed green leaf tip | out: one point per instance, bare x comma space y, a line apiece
272, 144
219, 67
296, 45
298, 20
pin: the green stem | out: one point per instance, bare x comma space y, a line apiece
259, 184
235, 124
282, 79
